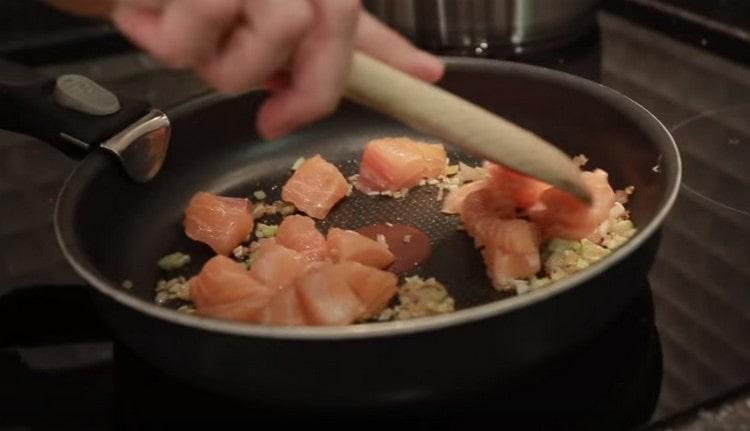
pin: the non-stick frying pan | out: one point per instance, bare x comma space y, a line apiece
112, 228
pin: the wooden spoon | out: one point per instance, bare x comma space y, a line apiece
444, 115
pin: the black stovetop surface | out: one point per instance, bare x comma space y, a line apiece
61, 370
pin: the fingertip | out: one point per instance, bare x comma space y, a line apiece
271, 122
429, 67
292, 108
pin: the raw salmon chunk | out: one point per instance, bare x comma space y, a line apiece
503, 267
248, 309
511, 248
435, 159
225, 290
277, 266
562, 216
221, 222
345, 245
315, 187
285, 308
327, 298
299, 234
455, 199
514, 235
397, 163
373, 287
223, 280
485, 202
524, 191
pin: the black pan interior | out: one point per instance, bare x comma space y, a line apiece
123, 228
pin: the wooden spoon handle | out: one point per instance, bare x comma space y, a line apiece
441, 114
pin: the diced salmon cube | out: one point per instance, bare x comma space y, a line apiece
511, 249
315, 187
516, 236
524, 190
196, 292
373, 287
221, 222
277, 266
503, 267
285, 309
347, 245
455, 199
327, 297
563, 216
248, 309
300, 234
222, 280
435, 159
483, 203
397, 163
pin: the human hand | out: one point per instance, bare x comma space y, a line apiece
299, 50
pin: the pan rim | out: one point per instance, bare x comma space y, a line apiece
409, 327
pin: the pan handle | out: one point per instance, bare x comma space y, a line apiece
70, 112
41, 315
77, 115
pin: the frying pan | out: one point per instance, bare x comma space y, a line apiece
111, 228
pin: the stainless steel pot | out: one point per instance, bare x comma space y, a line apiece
478, 25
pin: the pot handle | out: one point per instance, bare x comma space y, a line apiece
42, 315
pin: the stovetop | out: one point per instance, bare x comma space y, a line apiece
613, 381
63, 370
616, 380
